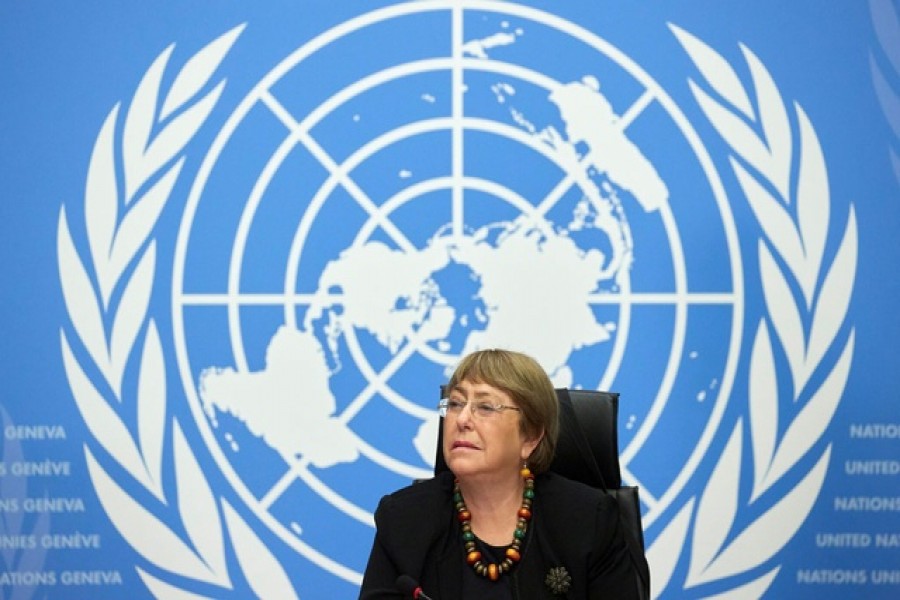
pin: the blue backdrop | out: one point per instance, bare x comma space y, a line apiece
244, 244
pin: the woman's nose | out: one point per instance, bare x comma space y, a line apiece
464, 418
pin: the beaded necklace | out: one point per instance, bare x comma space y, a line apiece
513, 554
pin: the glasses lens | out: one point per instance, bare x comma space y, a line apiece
451, 407
490, 410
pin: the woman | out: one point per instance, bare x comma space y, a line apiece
498, 525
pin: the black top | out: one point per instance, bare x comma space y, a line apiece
573, 527
478, 586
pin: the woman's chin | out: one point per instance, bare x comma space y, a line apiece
462, 466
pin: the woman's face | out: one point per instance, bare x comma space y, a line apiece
488, 445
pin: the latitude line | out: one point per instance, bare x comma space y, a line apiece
664, 298
636, 108
251, 299
586, 161
630, 478
299, 469
648, 298
380, 380
627, 118
279, 487
560, 189
335, 170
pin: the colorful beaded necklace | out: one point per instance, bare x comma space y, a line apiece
473, 556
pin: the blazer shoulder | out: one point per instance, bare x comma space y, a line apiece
418, 501
413, 517
436, 488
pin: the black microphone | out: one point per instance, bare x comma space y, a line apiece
410, 588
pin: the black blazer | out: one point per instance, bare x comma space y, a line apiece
573, 526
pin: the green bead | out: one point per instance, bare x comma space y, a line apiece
520, 534
528, 494
468, 536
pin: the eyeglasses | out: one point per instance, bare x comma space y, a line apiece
481, 410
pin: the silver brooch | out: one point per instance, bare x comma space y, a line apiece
558, 580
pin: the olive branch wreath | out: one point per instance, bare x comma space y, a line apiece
13, 523
792, 204
885, 68
108, 307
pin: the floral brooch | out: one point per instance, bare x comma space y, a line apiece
558, 580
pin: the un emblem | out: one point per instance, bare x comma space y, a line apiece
346, 242
356, 227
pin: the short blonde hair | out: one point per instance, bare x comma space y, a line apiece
527, 384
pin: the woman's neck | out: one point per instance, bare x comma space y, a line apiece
494, 506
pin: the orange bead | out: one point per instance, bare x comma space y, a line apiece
513, 554
493, 572
526, 472
524, 513
463, 516
473, 557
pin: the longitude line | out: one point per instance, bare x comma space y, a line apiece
357, 193
457, 118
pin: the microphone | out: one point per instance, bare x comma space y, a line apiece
410, 588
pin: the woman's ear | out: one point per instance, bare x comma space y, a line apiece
528, 445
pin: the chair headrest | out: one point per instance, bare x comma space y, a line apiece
588, 445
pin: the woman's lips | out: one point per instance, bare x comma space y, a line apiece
464, 445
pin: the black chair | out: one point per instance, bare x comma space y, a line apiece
588, 451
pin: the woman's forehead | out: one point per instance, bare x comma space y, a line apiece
478, 388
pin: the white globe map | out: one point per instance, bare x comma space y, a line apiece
527, 275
